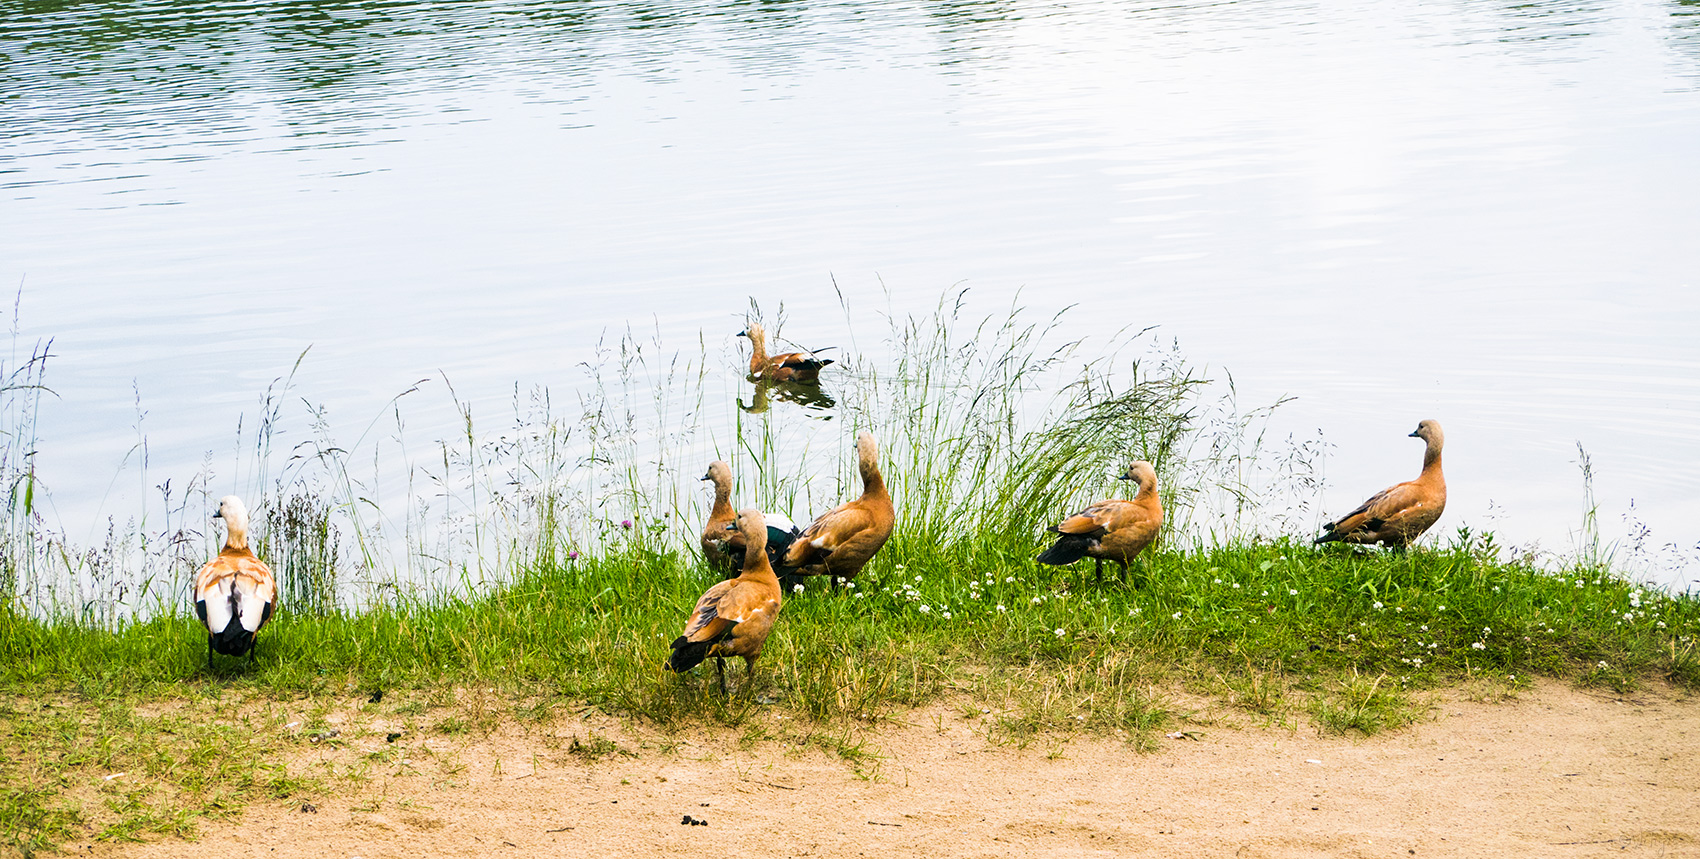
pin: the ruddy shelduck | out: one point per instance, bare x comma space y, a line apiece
1113, 530
1399, 514
842, 541
733, 617
234, 592
784, 367
724, 545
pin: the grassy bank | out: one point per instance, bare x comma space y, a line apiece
1270, 629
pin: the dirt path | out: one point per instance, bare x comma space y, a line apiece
1558, 773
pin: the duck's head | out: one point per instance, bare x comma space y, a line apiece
719, 472
754, 331
235, 516
1429, 431
867, 450
1140, 472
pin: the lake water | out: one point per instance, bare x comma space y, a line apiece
1487, 213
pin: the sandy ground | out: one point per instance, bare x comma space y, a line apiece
1559, 772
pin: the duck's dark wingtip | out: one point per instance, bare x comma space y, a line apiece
687, 654
1066, 550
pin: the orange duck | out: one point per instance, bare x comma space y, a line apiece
1399, 514
1113, 530
842, 541
785, 367
722, 544
234, 592
733, 617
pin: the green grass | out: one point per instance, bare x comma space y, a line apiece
1352, 640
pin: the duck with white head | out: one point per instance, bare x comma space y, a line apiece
234, 592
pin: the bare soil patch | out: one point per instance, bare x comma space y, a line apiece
1559, 772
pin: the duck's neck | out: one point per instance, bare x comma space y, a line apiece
722, 501
1431, 460
873, 483
236, 538
758, 345
1147, 492
1431, 454
756, 566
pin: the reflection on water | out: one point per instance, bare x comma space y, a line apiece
811, 396
1480, 213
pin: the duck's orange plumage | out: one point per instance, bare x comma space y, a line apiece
1399, 514
1113, 530
842, 541
234, 592
784, 367
717, 532
733, 617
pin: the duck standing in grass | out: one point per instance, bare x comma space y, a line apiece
1113, 530
1399, 514
733, 617
784, 367
842, 541
722, 544
234, 592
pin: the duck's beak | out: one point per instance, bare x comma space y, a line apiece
744, 333
708, 477
1124, 477
219, 514
732, 526
1415, 434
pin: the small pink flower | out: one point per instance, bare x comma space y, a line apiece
572, 555
625, 523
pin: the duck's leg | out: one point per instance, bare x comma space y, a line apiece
1099, 569
209, 654
720, 668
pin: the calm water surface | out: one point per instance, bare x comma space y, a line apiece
1481, 212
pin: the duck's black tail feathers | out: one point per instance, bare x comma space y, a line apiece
233, 640
1068, 549
687, 654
